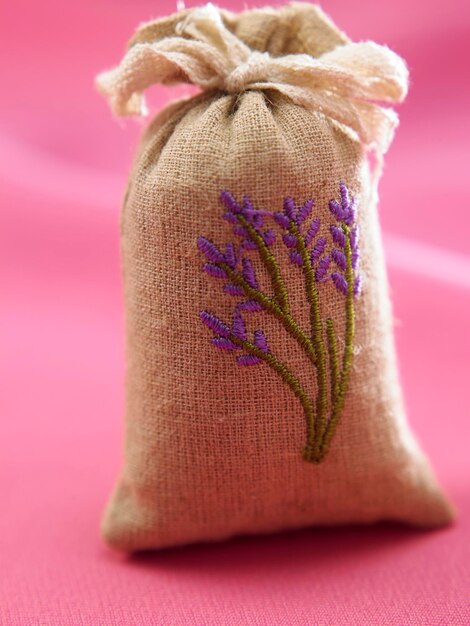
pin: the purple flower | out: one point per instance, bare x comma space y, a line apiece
336, 209
289, 209
318, 250
230, 217
260, 341
230, 202
214, 323
239, 326
282, 220
345, 210
231, 256
269, 237
241, 231
357, 286
296, 258
322, 269
352, 213
250, 305
249, 273
290, 240
248, 359
339, 258
224, 344
338, 236
312, 231
248, 244
340, 282
254, 217
210, 250
355, 259
304, 211
354, 239
233, 290
214, 270
292, 214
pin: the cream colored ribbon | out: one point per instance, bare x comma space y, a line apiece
348, 84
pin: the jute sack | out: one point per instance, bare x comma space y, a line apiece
262, 387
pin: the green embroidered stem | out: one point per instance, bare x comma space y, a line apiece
271, 306
333, 358
347, 354
287, 376
268, 258
317, 338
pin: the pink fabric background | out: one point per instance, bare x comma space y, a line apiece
63, 165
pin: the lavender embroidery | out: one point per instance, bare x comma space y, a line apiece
321, 259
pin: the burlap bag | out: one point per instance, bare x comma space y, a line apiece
262, 387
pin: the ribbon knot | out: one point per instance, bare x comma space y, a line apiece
251, 72
349, 84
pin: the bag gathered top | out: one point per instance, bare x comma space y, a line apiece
262, 389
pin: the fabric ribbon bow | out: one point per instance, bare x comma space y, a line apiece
349, 84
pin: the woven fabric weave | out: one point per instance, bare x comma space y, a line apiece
213, 449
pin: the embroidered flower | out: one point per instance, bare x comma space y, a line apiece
252, 221
316, 255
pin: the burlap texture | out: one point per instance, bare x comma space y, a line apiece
214, 449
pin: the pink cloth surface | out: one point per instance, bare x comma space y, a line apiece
63, 165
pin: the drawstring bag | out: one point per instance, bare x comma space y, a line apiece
262, 387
